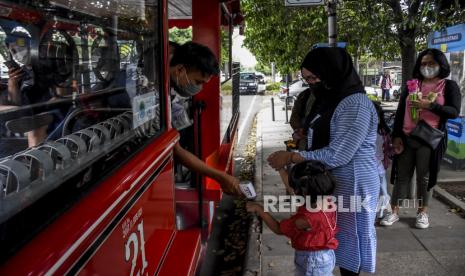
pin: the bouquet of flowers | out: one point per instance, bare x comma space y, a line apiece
414, 95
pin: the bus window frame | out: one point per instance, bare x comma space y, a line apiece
159, 62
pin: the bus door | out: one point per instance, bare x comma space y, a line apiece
214, 112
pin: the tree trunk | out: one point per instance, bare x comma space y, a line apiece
408, 55
356, 64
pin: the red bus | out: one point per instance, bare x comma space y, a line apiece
89, 184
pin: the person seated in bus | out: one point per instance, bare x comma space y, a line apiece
191, 66
23, 87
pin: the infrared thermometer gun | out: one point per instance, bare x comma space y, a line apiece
247, 189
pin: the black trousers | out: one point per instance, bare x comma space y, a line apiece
385, 95
345, 272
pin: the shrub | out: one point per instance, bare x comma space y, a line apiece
273, 87
373, 98
226, 88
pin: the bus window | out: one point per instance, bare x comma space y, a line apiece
80, 92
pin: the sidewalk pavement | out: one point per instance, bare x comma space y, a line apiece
402, 249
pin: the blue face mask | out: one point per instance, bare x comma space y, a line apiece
190, 89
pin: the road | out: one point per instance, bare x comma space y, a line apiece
249, 106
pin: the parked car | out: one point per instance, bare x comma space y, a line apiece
295, 88
248, 83
222, 76
284, 85
3, 71
394, 92
260, 77
374, 91
261, 83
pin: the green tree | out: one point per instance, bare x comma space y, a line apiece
263, 67
382, 29
275, 33
411, 21
224, 47
180, 36
284, 35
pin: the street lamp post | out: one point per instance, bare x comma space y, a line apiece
332, 30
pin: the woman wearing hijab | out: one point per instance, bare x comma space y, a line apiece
342, 135
440, 101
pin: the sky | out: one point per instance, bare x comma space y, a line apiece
240, 53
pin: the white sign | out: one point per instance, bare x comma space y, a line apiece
247, 189
143, 108
297, 3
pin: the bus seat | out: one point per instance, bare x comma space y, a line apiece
28, 123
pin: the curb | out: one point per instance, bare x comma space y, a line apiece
447, 198
252, 264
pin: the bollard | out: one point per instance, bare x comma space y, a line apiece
272, 109
286, 103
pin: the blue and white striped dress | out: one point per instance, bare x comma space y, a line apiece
351, 157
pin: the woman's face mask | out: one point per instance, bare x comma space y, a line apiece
315, 83
189, 89
319, 86
429, 72
316, 86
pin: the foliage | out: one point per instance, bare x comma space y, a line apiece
224, 47
273, 87
373, 98
382, 29
263, 68
180, 36
274, 33
409, 22
226, 88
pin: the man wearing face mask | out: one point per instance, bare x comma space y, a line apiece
440, 101
191, 66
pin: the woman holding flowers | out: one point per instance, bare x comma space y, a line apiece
432, 99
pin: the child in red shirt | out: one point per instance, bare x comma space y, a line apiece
312, 231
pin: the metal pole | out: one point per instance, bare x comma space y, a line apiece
273, 73
332, 31
272, 109
287, 82
286, 102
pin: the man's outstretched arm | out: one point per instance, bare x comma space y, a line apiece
229, 184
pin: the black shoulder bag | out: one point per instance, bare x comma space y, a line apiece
427, 134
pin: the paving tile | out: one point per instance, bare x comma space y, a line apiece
402, 249
278, 216
278, 265
274, 245
408, 263
397, 240
452, 260
444, 243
